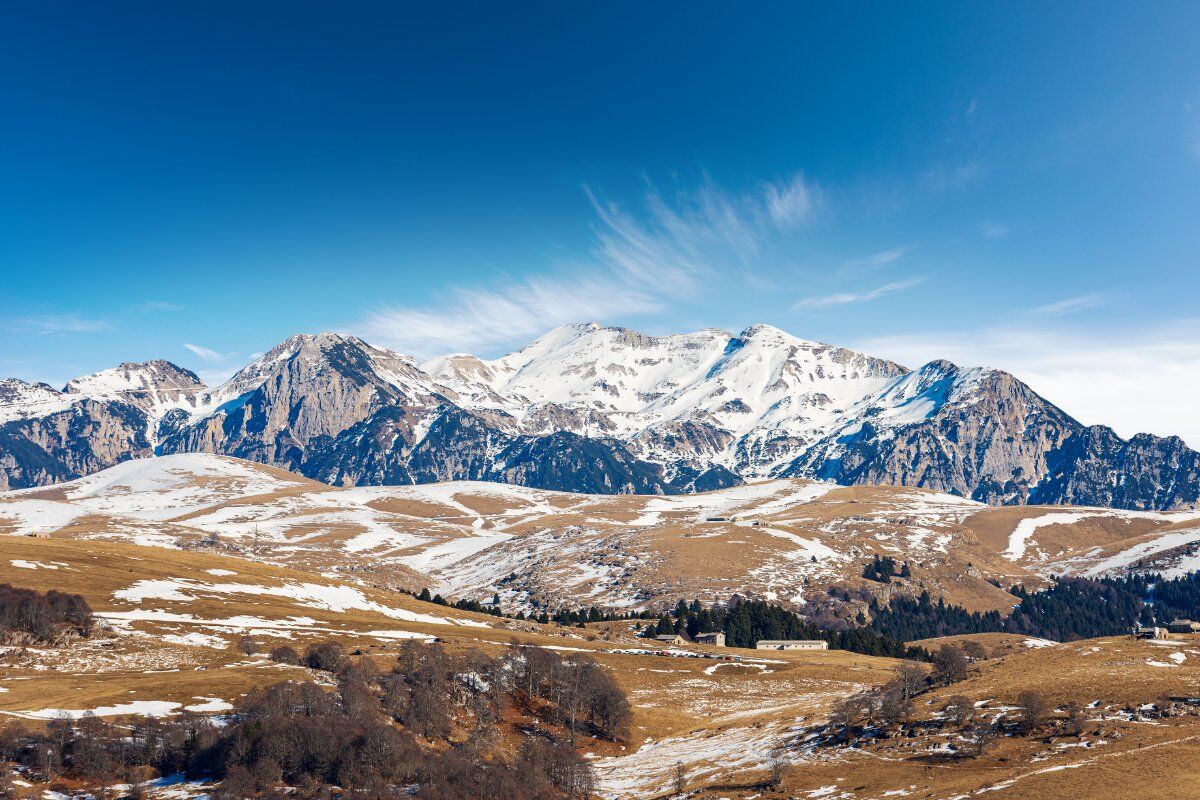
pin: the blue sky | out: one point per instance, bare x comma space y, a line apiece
1015, 185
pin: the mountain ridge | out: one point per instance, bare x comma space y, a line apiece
604, 409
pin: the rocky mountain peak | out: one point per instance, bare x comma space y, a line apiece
157, 375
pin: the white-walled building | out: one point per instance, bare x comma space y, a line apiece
791, 644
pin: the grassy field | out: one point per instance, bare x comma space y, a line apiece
170, 621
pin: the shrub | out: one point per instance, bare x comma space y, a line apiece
285, 654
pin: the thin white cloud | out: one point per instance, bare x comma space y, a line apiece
845, 298
952, 177
1069, 305
1134, 381
158, 305
205, 354
55, 324
884, 258
639, 264
792, 203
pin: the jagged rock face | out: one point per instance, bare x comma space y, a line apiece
593, 409
86, 437
300, 396
372, 452
566, 461
694, 443
979, 434
1096, 467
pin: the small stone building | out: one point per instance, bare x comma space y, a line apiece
670, 638
791, 644
716, 638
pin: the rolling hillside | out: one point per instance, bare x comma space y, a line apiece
785, 540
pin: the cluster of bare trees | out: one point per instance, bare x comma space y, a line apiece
883, 707
883, 710
429, 727
41, 616
582, 692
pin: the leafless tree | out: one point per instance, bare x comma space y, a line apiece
1034, 710
679, 778
977, 736
912, 680
950, 665
975, 650
1076, 719
959, 710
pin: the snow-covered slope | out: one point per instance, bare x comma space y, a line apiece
781, 538
777, 539
156, 387
754, 390
21, 400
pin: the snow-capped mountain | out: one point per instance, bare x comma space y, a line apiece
761, 395
21, 400
606, 410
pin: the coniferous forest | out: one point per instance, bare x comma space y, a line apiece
1071, 608
745, 622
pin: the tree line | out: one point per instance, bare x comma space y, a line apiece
1070, 608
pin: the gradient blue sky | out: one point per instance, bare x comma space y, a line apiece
1016, 185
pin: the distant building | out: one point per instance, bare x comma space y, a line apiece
717, 639
791, 644
672, 638
1183, 626
1151, 632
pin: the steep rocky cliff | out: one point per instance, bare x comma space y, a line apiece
86, 437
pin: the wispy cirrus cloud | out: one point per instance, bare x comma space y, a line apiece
792, 203
57, 324
1069, 305
879, 260
158, 305
205, 354
638, 264
846, 298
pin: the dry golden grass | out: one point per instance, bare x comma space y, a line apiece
722, 719
649, 550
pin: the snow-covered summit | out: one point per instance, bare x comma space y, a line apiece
154, 386
761, 383
21, 400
